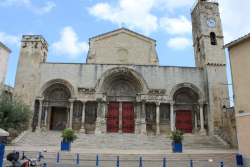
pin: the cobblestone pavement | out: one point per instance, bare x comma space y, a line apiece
72, 163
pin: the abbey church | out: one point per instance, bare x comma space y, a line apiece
122, 89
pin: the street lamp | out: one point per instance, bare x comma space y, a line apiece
224, 109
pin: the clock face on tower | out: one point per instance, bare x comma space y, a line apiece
211, 22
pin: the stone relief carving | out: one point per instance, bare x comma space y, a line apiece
150, 113
183, 107
183, 98
90, 112
77, 112
59, 94
125, 99
60, 104
121, 90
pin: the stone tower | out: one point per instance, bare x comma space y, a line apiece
209, 54
33, 51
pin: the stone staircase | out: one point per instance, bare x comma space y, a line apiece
116, 141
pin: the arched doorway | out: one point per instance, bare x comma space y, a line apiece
121, 85
56, 98
186, 109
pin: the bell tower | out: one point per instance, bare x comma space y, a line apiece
209, 54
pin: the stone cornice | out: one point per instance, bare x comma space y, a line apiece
5, 47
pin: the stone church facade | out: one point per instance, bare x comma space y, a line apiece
122, 88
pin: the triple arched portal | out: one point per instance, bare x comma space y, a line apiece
120, 102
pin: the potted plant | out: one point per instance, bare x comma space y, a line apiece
68, 137
177, 137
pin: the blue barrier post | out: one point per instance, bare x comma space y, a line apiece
97, 163
140, 162
222, 164
44, 164
57, 157
118, 161
2, 148
14, 151
39, 158
77, 159
191, 163
23, 155
164, 162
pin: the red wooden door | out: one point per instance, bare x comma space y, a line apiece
183, 121
113, 117
127, 117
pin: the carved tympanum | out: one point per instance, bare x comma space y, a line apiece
121, 90
59, 94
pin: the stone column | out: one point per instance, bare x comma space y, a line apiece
48, 118
158, 118
172, 126
71, 113
143, 120
202, 130
98, 119
120, 117
67, 124
195, 121
38, 128
82, 130
45, 117
104, 117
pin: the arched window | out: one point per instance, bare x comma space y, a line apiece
213, 38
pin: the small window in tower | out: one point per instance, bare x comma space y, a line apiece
44, 57
213, 38
198, 45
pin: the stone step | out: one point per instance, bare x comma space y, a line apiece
119, 141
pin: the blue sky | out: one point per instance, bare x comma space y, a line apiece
68, 25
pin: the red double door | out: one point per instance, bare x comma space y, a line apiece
183, 121
127, 117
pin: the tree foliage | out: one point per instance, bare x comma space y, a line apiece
14, 113
176, 136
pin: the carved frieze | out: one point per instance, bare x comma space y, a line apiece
121, 98
59, 104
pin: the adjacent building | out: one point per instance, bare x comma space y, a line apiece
122, 89
239, 54
4, 59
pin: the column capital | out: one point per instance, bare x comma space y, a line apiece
201, 103
72, 100
172, 103
82, 100
158, 103
40, 99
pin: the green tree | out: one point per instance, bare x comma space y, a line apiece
14, 113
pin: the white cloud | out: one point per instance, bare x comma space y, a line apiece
7, 3
134, 13
27, 3
234, 17
45, 9
176, 26
179, 43
69, 44
10, 39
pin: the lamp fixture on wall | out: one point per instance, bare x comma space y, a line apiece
224, 109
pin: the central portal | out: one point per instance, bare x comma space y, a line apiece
183, 121
127, 112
